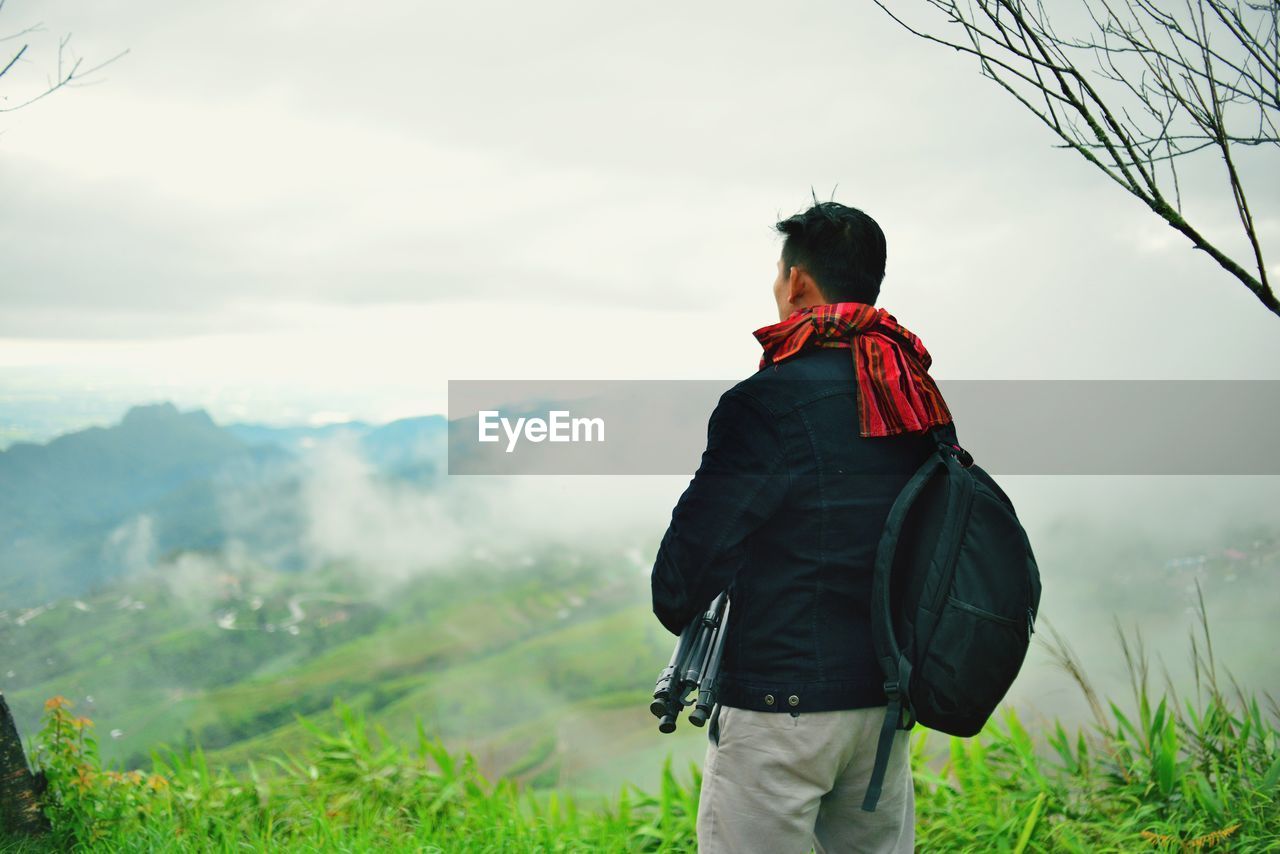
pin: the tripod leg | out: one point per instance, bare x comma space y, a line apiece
707, 685
669, 678
692, 657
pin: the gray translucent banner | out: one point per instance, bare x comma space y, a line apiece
1089, 427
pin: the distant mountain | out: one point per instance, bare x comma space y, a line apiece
297, 438
409, 448
83, 507
89, 506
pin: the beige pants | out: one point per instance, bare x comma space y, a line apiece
783, 783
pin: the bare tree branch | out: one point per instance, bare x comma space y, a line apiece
1147, 86
72, 74
16, 57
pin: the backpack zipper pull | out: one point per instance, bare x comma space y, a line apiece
1031, 621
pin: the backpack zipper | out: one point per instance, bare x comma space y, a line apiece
982, 612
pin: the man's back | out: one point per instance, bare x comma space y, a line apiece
800, 600
800, 626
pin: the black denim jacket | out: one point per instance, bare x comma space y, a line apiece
785, 511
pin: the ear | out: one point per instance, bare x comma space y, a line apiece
800, 285
795, 287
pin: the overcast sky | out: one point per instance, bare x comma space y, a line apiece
288, 211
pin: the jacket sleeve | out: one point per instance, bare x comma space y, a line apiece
738, 485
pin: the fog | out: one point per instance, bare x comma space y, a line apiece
1102, 543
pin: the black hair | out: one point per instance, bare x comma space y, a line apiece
841, 247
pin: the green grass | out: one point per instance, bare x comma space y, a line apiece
1157, 772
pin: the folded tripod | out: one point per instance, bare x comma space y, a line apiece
694, 666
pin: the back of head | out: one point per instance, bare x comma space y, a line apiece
841, 247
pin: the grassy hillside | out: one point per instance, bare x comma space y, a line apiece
1156, 774
537, 664
542, 671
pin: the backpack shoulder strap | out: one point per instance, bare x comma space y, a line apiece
893, 663
896, 667
886, 644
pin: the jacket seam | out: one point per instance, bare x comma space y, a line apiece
749, 496
771, 418
822, 551
792, 406
796, 409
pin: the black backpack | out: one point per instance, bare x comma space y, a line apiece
954, 599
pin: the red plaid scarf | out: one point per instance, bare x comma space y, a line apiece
895, 392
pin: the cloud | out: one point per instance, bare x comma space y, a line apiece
546, 174
394, 530
131, 545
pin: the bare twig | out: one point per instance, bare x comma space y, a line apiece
1148, 86
74, 73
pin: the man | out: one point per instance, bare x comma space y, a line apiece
803, 461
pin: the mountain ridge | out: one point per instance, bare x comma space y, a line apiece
85, 506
